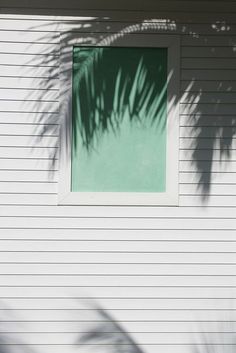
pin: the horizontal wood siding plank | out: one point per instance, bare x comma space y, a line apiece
28, 118
203, 86
29, 71
162, 272
29, 199
24, 59
30, 153
32, 187
28, 94
28, 141
28, 164
27, 176
26, 36
29, 83
29, 129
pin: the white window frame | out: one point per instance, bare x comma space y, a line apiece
167, 198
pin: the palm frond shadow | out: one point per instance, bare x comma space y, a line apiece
222, 338
101, 102
206, 149
108, 334
10, 340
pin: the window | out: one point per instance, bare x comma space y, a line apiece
119, 107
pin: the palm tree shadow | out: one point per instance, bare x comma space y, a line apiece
206, 149
109, 334
100, 100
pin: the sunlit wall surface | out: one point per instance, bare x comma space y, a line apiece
119, 119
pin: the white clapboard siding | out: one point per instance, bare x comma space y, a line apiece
24, 152
205, 40
27, 24
127, 212
199, 120
205, 63
191, 166
29, 118
28, 94
186, 189
29, 82
208, 52
217, 178
29, 198
106, 223
28, 141
147, 26
202, 86
125, 303
64, 258
150, 338
212, 201
202, 143
213, 97
27, 175
206, 131
30, 48
28, 164
207, 74
26, 36
33, 187
204, 154
28, 59
165, 274
28, 71
29, 106
29, 129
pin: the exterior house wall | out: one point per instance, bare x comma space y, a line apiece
164, 274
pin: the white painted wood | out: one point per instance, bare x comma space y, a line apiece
33, 187
69, 212
27, 176
26, 36
208, 143
170, 194
173, 265
130, 260
28, 164
208, 86
28, 118
29, 71
205, 40
29, 141
212, 63
28, 59
213, 201
29, 199
213, 98
108, 223
191, 166
200, 120
207, 155
28, 94
27, 24
27, 82
29, 129
29, 106
30, 153
208, 52
218, 178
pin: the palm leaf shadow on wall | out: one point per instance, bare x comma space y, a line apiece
205, 149
108, 334
101, 100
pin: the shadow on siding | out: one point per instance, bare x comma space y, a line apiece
211, 122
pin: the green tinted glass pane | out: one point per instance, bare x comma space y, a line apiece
119, 119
